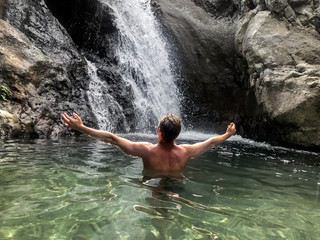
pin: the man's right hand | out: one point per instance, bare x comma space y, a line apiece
74, 123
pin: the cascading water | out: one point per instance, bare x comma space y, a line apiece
143, 63
107, 110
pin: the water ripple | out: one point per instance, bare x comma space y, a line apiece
58, 190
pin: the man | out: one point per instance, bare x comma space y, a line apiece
163, 156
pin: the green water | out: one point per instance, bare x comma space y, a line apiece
84, 189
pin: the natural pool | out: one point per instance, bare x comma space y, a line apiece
84, 189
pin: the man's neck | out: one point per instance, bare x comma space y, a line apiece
163, 143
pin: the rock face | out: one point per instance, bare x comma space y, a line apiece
41, 72
90, 24
205, 48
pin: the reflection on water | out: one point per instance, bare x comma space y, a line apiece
83, 189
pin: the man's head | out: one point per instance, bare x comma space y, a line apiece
169, 127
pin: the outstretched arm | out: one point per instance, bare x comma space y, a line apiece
197, 149
128, 147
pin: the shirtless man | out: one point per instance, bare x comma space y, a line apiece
163, 156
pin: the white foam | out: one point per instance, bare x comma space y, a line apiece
193, 136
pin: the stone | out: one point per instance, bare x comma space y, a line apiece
289, 13
42, 69
9, 125
316, 20
276, 5
218, 8
286, 89
205, 52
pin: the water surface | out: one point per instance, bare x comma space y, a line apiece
84, 189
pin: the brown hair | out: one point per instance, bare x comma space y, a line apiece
170, 127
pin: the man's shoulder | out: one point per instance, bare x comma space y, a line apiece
184, 146
145, 144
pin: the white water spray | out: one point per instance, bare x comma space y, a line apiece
143, 63
107, 110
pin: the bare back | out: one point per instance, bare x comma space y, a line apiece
165, 157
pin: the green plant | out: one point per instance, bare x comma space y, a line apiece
4, 92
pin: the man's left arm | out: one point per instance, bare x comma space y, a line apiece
197, 149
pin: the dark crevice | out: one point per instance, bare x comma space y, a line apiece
88, 22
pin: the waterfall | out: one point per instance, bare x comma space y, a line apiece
107, 110
143, 63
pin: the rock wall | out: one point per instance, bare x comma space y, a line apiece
90, 24
41, 72
204, 46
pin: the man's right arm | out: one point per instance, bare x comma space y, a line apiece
197, 149
132, 148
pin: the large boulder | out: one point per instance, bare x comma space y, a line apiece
283, 88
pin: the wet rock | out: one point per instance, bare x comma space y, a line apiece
205, 49
218, 8
276, 5
90, 24
42, 69
273, 59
